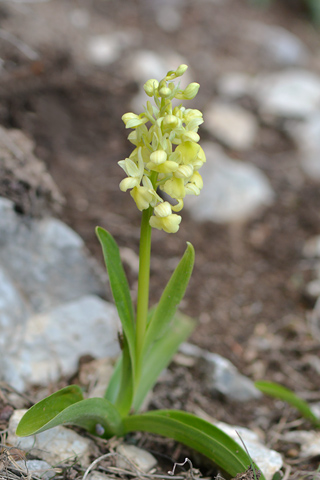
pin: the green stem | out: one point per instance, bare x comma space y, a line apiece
143, 286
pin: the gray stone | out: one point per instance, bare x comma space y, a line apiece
24, 178
142, 459
311, 248
278, 44
233, 191
54, 446
103, 50
234, 85
95, 475
232, 125
54, 341
315, 407
37, 467
309, 442
79, 18
312, 289
288, 94
46, 260
13, 312
306, 135
222, 376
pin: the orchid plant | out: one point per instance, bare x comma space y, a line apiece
166, 158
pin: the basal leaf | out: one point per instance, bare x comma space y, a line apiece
42, 412
161, 354
119, 286
57, 410
195, 433
170, 299
278, 391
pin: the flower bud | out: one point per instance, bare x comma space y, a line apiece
165, 92
127, 183
189, 93
128, 116
184, 171
181, 70
131, 120
158, 157
163, 209
150, 86
170, 121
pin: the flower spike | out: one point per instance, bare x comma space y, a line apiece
167, 154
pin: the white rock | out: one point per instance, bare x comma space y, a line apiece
102, 50
309, 441
46, 260
233, 191
288, 94
234, 85
315, 407
312, 289
222, 376
306, 135
54, 341
311, 248
232, 125
278, 44
269, 461
95, 475
37, 467
53, 446
139, 457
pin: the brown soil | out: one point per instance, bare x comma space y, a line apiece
249, 280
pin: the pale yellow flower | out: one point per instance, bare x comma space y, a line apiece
164, 219
195, 184
174, 187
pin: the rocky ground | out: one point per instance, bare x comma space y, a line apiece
70, 69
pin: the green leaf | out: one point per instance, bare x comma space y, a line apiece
68, 407
113, 388
119, 286
278, 391
170, 299
125, 392
161, 354
195, 433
